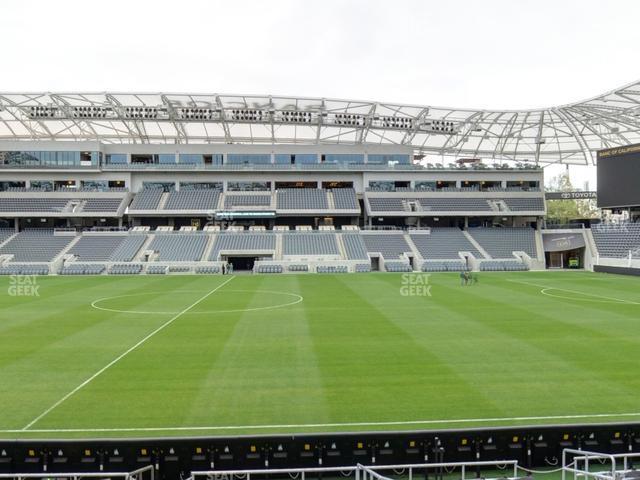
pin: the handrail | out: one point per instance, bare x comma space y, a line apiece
353, 468
78, 475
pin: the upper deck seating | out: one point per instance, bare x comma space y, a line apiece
193, 199
238, 201
147, 199
345, 199
455, 204
392, 204
525, 204
40, 204
102, 205
302, 199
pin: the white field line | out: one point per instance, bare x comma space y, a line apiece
329, 425
298, 299
547, 287
124, 354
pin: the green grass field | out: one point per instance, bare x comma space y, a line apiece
145, 356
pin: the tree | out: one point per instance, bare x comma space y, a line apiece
563, 211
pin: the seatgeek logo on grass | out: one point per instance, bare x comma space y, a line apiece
23, 286
415, 285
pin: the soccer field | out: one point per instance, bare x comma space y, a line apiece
113, 356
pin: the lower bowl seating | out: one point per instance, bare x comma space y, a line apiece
298, 268
156, 269
269, 269
332, 269
126, 269
82, 269
208, 270
24, 269
397, 267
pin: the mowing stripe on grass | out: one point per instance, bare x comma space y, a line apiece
124, 354
330, 425
547, 287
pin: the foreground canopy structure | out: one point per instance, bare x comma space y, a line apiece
569, 134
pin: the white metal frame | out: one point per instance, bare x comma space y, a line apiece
580, 462
568, 133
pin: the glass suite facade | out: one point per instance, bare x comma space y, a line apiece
385, 159
342, 158
248, 159
50, 159
37, 159
295, 158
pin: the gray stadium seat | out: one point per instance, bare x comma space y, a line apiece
243, 242
302, 199
354, 246
616, 241
36, 246
147, 199
241, 201
391, 245
502, 242
175, 247
98, 248
193, 199
126, 251
345, 199
296, 243
443, 243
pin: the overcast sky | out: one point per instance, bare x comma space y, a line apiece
464, 53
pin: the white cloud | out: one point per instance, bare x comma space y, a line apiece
489, 54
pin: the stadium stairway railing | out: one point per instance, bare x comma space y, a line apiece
362, 472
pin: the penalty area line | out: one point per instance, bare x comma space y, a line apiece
328, 425
122, 355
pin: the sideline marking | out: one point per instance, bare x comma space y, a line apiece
547, 287
326, 425
299, 298
122, 355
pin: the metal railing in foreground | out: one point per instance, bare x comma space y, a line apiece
144, 473
360, 472
581, 464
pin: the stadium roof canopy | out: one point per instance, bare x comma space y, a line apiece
568, 133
